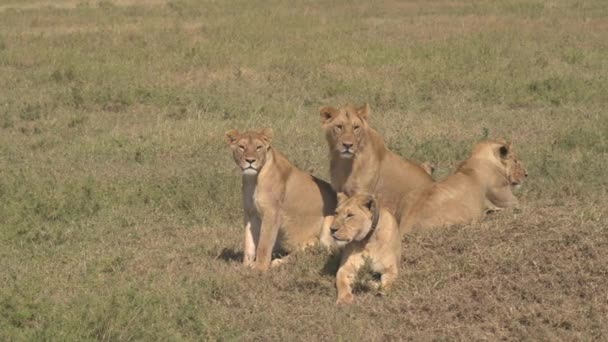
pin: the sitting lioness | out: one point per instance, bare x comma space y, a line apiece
483, 182
368, 232
361, 162
285, 209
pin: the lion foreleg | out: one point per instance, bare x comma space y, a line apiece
252, 234
388, 278
344, 279
268, 237
351, 262
503, 198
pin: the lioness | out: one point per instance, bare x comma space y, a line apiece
285, 208
368, 232
361, 162
481, 183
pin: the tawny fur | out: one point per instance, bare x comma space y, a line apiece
360, 162
483, 182
284, 208
382, 245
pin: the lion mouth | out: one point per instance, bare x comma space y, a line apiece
515, 184
340, 239
347, 154
250, 171
341, 242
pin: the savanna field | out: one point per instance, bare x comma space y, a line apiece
120, 205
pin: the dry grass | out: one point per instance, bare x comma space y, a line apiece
116, 186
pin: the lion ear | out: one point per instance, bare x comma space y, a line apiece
371, 204
504, 149
364, 111
327, 113
232, 136
266, 134
341, 197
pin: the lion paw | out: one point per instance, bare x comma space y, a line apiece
345, 299
258, 266
278, 262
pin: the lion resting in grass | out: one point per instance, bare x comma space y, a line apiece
368, 232
482, 183
285, 208
361, 162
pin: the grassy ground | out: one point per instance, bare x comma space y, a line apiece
116, 188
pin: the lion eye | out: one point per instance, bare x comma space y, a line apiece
241, 147
349, 215
258, 148
357, 128
339, 127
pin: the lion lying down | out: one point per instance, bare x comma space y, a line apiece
285, 209
367, 231
482, 183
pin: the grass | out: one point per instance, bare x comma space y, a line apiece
116, 185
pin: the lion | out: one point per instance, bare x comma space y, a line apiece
367, 232
483, 182
285, 209
360, 162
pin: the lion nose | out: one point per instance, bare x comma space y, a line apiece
526, 174
333, 230
347, 145
250, 160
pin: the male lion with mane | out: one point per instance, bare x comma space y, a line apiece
361, 162
483, 182
285, 208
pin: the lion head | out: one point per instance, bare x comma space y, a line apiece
516, 172
249, 149
345, 128
501, 153
355, 218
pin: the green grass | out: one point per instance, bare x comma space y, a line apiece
116, 184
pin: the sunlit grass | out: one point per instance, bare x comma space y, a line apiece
120, 209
